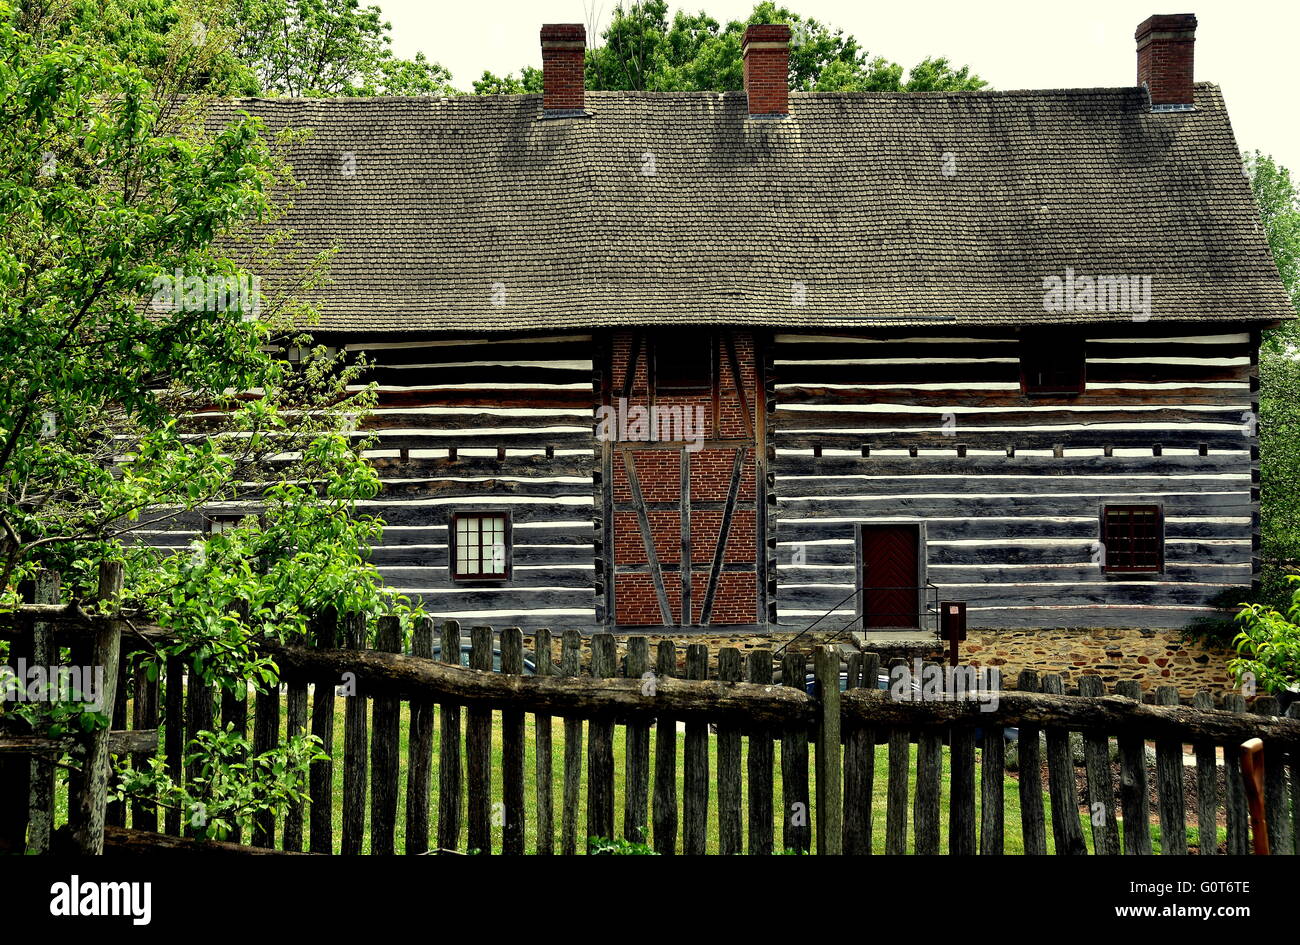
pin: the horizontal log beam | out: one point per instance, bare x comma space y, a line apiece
120, 742
1107, 715
549, 695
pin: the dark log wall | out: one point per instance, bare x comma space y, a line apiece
501, 423
1008, 488
916, 427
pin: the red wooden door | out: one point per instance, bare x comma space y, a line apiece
890, 595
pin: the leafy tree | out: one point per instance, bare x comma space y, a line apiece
1279, 210
528, 83
329, 47
1268, 644
643, 50
124, 391
186, 45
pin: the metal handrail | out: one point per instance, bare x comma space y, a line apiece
928, 610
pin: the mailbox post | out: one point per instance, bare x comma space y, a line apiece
952, 626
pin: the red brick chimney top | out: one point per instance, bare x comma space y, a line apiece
1165, 47
767, 69
563, 59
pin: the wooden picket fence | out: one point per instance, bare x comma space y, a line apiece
737, 723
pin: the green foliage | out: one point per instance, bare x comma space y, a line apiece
1279, 210
1268, 644
179, 43
528, 83
116, 412
231, 786
643, 50
328, 47
600, 846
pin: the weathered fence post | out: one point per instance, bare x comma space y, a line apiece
449, 773
1234, 788
174, 736
88, 834
295, 717
355, 743
384, 749
1133, 782
478, 751
859, 763
896, 785
993, 764
1275, 800
542, 753
600, 748
730, 838
1207, 787
571, 665
636, 786
665, 791
40, 828
1101, 787
1033, 824
419, 769
234, 711
761, 756
961, 801
830, 825
695, 779
1169, 785
1067, 834
115, 812
796, 818
320, 777
266, 736
15, 768
929, 783
512, 748
199, 713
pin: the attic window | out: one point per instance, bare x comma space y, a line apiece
1051, 365
480, 546
683, 362
1133, 538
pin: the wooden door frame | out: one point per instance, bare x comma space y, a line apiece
922, 566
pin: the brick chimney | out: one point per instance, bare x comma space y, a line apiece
563, 47
767, 70
1164, 46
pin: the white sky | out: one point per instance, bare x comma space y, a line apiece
1247, 46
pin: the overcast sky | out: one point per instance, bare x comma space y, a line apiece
1248, 47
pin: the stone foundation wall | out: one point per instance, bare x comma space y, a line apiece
1151, 657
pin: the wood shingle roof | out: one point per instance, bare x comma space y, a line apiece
861, 209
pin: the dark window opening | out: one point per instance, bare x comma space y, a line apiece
684, 362
1133, 538
222, 523
1052, 365
480, 546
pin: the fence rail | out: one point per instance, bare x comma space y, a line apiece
680, 749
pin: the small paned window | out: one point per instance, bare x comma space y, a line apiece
480, 546
1133, 538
